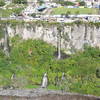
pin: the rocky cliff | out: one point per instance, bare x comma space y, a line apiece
72, 36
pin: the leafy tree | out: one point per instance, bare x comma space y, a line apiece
17, 11
33, 15
66, 3
82, 3
2, 3
67, 14
41, 2
19, 1
77, 12
98, 73
62, 15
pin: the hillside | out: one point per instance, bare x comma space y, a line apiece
76, 11
30, 59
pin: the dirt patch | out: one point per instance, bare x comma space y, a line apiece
42, 94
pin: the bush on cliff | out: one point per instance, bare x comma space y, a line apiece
30, 59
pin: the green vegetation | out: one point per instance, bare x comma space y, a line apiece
2, 3
33, 15
12, 5
13, 23
82, 3
5, 13
66, 3
30, 59
17, 11
19, 1
63, 10
8, 12
1, 32
41, 2
78, 0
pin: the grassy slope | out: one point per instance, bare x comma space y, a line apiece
12, 9
8, 12
79, 68
63, 10
5, 13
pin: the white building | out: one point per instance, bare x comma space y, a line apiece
8, 1
91, 0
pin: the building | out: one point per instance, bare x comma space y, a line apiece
8, 1
91, 0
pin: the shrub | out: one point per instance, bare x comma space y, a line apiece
33, 15
82, 3
19, 1
67, 14
2, 3
66, 3
79, 68
17, 11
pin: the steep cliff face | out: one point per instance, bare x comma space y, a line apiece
72, 36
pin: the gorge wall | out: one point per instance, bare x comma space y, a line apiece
72, 36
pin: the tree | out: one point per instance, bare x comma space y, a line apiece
66, 3
19, 1
62, 15
41, 2
98, 73
76, 13
67, 14
2, 3
82, 3
33, 15
17, 11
